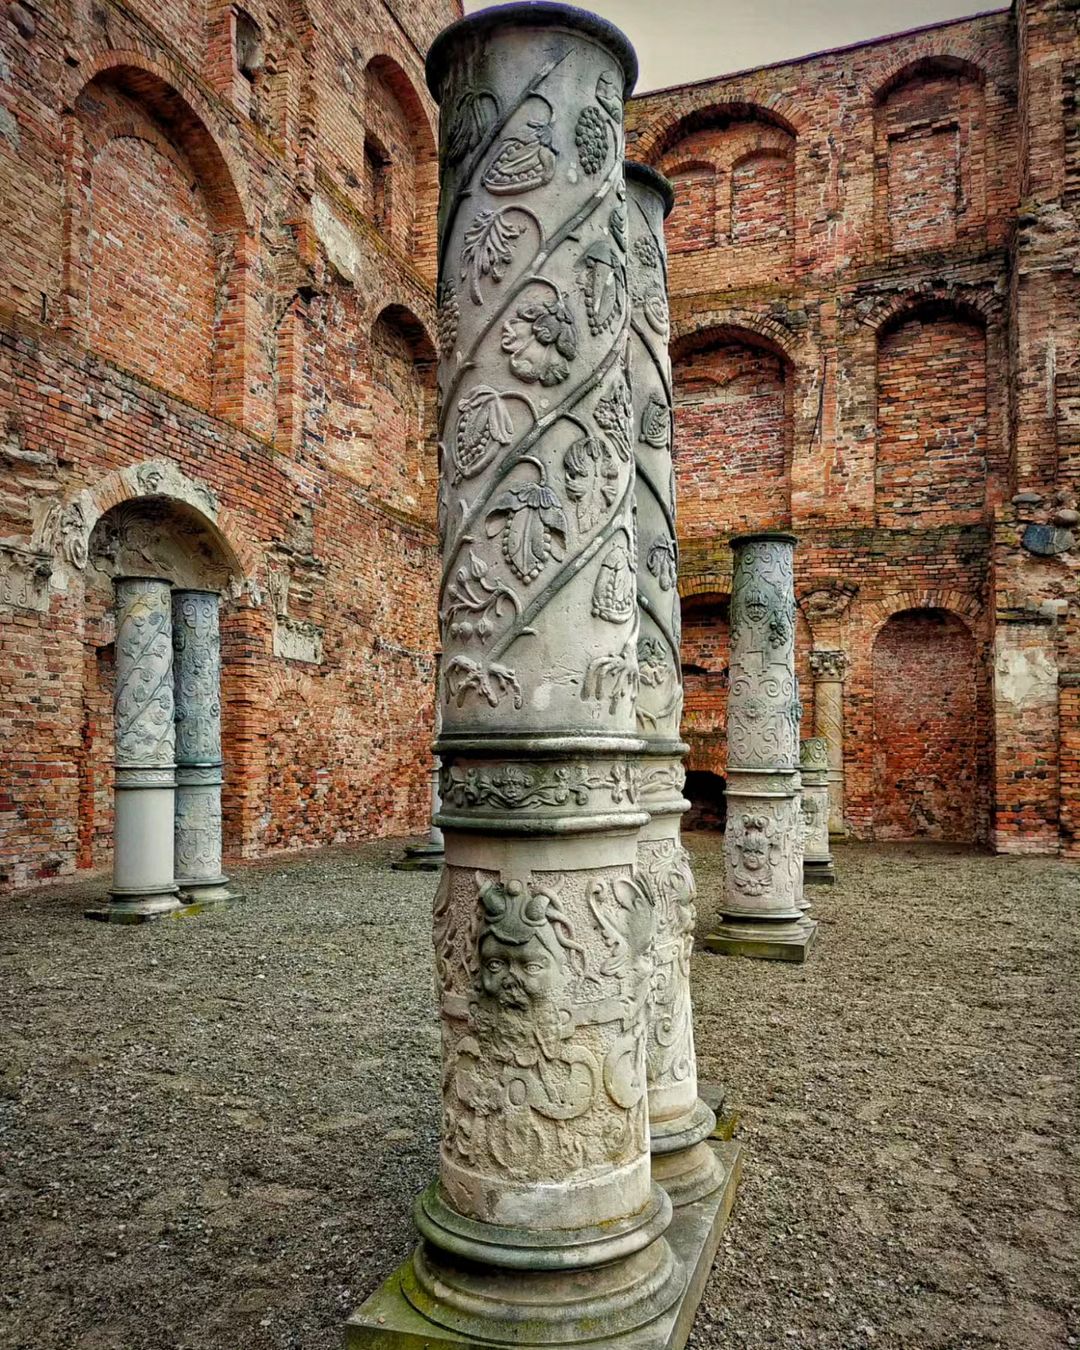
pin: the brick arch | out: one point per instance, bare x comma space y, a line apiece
704, 328
975, 306
967, 608
417, 196
664, 134
707, 585
165, 91
928, 58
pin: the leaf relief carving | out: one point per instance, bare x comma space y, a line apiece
484, 423
615, 594
602, 280
472, 118
591, 473
533, 528
492, 682
487, 248
656, 424
541, 340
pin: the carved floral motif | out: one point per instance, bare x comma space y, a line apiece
143, 696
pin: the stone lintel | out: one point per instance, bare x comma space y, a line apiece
387, 1321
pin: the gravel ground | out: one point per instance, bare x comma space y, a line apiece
211, 1131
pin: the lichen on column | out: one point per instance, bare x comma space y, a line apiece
679, 1121
143, 885
197, 664
762, 909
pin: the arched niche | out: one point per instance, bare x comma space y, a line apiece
155, 276
928, 723
169, 538
405, 467
931, 417
929, 155
734, 431
733, 167
400, 170
705, 649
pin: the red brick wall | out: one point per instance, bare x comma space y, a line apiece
931, 423
706, 640
151, 269
732, 438
925, 727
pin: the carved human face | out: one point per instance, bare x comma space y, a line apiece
517, 974
753, 851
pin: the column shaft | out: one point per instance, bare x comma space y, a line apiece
543, 938
143, 886
828, 668
817, 858
679, 1121
762, 912
197, 667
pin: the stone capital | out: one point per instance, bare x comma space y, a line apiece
828, 666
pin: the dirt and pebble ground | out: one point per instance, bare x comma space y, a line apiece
211, 1131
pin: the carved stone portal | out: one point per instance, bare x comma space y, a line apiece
679, 1121
143, 886
817, 858
763, 907
544, 1226
197, 670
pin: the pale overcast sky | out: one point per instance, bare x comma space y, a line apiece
683, 40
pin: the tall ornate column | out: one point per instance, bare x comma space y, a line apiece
679, 1122
817, 859
197, 681
828, 669
143, 886
762, 910
544, 1226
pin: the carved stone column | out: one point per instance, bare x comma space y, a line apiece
762, 911
679, 1121
544, 1226
143, 886
817, 859
197, 681
828, 669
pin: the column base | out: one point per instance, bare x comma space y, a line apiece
210, 894
389, 1321
758, 938
138, 907
426, 857
818, 873
682, 1161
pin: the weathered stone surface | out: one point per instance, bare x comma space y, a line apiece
678, 1120
143, 885
763, 901
814, 766
197, 681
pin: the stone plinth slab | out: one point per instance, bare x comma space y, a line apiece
387, 1321
758, 944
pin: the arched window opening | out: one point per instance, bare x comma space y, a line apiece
705, 654
377, 195
404, 454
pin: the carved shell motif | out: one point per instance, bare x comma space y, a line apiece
615, 594
656, 424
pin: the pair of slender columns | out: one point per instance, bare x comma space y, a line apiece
763, 913
167, 711
563, 918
